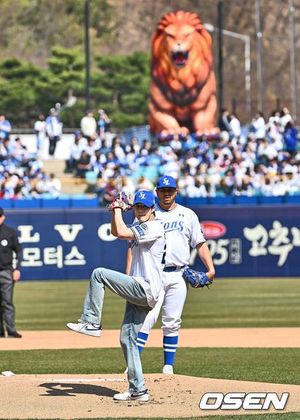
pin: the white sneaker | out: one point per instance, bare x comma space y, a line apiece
168, 370
142, 396
84, 327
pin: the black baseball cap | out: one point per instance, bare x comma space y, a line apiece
1, 211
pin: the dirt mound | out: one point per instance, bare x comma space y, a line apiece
90, 396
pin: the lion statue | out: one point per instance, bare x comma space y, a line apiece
183, 87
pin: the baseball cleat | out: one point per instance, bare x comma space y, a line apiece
168, 370
87, 328
126, 370
142, 396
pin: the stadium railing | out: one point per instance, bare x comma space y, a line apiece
81, 201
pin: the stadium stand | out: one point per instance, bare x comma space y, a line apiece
256, 164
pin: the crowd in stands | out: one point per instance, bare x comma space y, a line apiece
262, 159
21, 171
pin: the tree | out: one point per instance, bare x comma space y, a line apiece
122, 87
26, 91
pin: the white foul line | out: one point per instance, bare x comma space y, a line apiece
89, 380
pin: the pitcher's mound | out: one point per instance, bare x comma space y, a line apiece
90, 396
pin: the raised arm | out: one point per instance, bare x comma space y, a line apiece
118, 227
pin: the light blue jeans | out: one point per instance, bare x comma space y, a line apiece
135, 313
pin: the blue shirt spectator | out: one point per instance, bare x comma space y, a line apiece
5, 127
290, 137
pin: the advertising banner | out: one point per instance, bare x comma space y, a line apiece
262, 241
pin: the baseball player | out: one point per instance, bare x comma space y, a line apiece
183, 230
141, 288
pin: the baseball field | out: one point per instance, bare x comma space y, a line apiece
241, 335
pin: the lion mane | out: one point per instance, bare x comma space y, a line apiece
183, 87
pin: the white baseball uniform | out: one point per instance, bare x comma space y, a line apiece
147, 258
183, 230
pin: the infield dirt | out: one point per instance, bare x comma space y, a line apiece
90, 396
192, 337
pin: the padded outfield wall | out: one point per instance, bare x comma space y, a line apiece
259, 241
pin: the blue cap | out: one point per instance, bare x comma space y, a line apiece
144, 197
166, 182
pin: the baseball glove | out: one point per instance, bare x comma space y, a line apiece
121, 201
196, 278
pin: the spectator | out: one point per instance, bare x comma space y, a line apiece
197, 189
110, 191
127, 185
90, 146
103, 123
213, 178
97, 165
118, 149
40, 131
88, 126
38, 185
5, 127
75, 152
290, 137
133, 146
146, 147
278, 187
111, 165
53, 186
10, 186
176, 143
259, 126
171, 167
274, 132
274, 117
285, 117
228, 182
224, 121
54, 130
235, 126
144, 184
266, 150
83, 165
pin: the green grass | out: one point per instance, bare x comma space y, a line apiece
286, 416
262, 365
228, 303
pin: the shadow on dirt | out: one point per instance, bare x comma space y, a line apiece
71, 390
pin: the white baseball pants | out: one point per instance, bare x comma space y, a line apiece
171, 300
